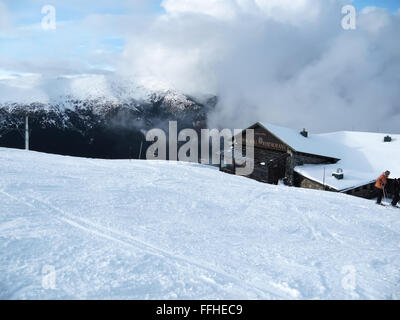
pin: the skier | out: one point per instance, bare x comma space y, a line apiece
380, 186
396, 192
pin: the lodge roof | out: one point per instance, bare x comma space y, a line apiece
313, 144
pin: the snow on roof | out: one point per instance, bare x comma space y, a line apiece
313, 144
364, 156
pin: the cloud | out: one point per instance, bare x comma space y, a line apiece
290, 11
215, 8
4, 17
27, 88
271, 61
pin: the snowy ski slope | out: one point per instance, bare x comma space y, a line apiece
164, 230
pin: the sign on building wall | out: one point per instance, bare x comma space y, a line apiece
265, 140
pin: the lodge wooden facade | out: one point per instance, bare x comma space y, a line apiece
275, 160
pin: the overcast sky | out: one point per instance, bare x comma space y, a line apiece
288, 62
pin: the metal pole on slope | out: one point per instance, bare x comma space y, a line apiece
26, 132
140, 152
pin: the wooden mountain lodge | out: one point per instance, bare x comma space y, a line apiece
330, 161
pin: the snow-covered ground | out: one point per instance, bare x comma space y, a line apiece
83, 228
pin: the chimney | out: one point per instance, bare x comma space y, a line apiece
338, 174
387, 139
304, 133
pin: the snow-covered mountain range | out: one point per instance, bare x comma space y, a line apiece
90, 111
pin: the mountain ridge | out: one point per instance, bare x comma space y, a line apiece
98, 119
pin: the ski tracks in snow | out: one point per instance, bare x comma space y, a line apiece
133, 243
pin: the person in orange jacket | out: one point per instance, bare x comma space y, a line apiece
380, 185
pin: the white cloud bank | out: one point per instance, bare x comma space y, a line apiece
288, 62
